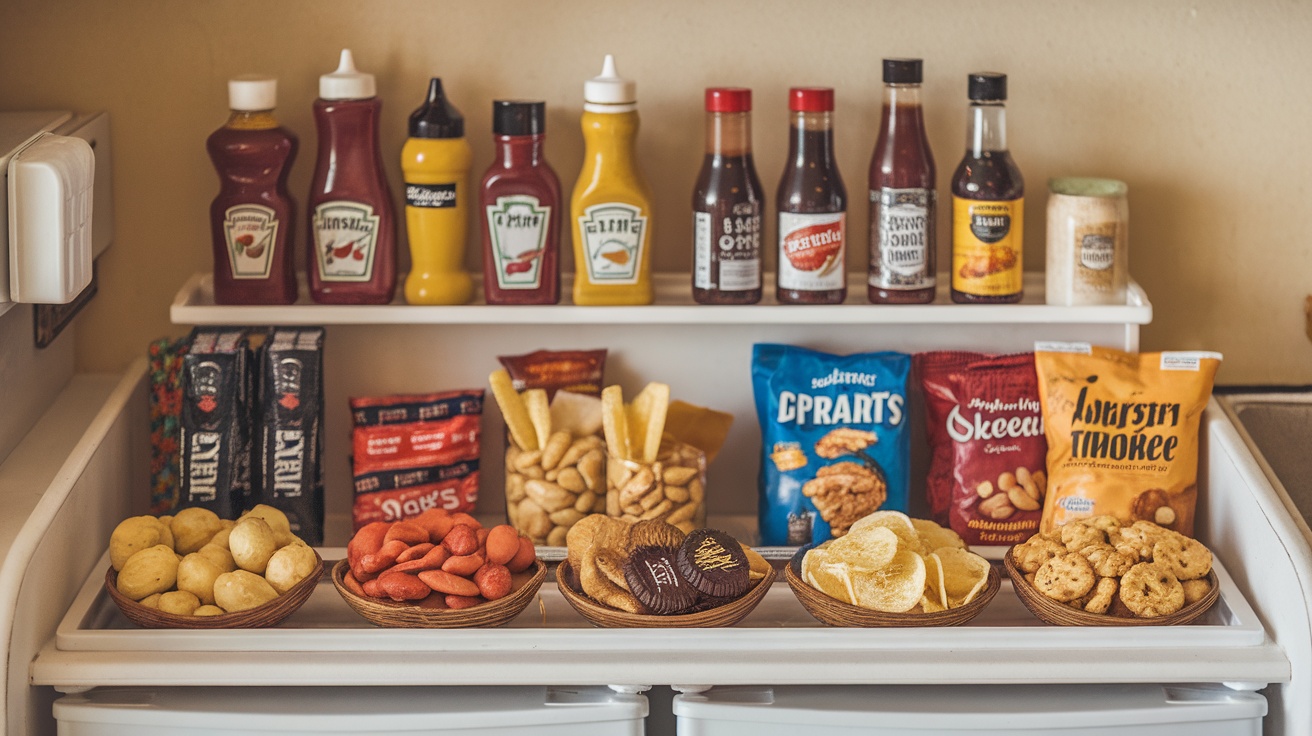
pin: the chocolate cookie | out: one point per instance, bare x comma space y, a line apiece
654, 579
714, 563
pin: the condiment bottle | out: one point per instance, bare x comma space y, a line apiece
253, 217
520, 199
352, 239
988, 203
903, 202
435, 160
812, 206
611, 204
1088, 241
727, 205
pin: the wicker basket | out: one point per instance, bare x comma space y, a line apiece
269, 614
1059, 614
834, 612
432, 613
600, 615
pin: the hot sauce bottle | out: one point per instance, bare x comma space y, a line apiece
727, 205
988, 203
812, 206
352, 239
253, 217
902, 198
520, 202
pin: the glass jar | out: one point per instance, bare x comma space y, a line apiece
1088, 241
551, 489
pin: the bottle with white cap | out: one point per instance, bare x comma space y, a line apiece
611, 205
252, 219
352, 241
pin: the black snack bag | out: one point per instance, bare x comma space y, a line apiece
291, 428
215, 432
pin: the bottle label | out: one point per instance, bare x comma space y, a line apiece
733, 244
811, 250
987, 238
517, 230
345, 234
430, 195
903, 238
252, 233
614, 236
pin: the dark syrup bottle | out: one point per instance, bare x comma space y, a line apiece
727, 205
812, 206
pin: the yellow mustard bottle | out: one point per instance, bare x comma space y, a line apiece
611, 205
435, 160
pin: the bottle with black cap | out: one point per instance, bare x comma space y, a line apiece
435, 161
903, 202
988, 203
519, 199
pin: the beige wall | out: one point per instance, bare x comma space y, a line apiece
1203, 108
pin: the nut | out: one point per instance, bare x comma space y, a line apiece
984, 489
1164, 516
994, 501
546, 490
1021, 499
1023, 475
1006, 481
1002, 511
670, 488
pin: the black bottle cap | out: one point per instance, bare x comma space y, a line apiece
517, 117
902, 71
987, 87
437, 117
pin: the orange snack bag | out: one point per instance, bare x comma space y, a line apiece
1122, 432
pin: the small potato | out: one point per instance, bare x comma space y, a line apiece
242, 590
133, 535
151, 601
275, 518
220, 556
208, 611
149, 571
178, 602
192, 528
196, 575
252, 544
289, 566
220, 538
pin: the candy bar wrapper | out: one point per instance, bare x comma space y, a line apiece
291, 428
165, 409
215, 431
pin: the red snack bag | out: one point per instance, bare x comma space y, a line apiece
936, 370
578, 371
999, 451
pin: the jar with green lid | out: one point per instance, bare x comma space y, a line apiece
1088, 241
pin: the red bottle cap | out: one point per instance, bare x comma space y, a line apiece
728, 99
811, 99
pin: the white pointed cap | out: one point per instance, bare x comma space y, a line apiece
609, 88
347, 83
252, 93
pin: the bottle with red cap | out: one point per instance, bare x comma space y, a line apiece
812, 206
727, 205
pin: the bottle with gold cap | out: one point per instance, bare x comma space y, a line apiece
611, 205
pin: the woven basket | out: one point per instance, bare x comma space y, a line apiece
269, 614
600, 615
834, 612
1059, 614
432, 613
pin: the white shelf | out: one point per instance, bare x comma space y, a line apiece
551, 644
194, 305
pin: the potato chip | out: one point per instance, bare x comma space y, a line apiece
514, 411
895, 588
834, 580
934, 589
614, 422
964, 575
897, 521
539, 413
867, 549
933, 536
929, 605
646, 417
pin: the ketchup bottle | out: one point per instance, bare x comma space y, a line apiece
902, 197
253, 218
352, 241
727, 205
812, 206
520, 198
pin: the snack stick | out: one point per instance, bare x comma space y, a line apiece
637, 413
656, 398
614, 424
513, 409
539, 413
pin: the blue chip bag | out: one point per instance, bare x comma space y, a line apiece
834, 439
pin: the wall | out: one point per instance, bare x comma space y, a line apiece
1198, 106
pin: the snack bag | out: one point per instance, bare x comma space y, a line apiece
1122, 432
935, 370
578, 371
998, 451
834, 442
